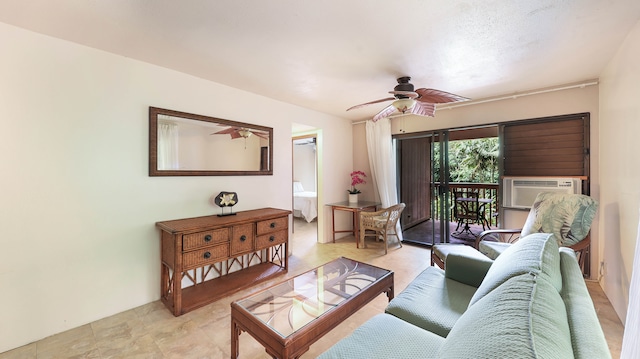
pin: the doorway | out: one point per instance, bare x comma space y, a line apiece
305, 185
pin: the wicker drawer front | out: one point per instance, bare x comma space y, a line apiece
242, 239
272, 225
205, 256
202, 239
271, 239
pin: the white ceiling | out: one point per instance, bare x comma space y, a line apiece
333, 54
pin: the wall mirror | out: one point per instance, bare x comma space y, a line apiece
184, 144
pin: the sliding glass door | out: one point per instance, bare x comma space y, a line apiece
440, 193
423, 187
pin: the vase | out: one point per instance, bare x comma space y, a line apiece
353, 198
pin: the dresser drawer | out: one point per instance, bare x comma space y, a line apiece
272, 225
242, 237
271, 239
208, 255
202, 239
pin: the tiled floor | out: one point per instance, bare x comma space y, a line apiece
150, 331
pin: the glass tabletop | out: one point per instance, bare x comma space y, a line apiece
289, 306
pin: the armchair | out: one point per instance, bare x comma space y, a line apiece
382, 223
567, 216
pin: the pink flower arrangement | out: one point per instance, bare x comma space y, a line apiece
357, 177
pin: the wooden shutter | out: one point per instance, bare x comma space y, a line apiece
553, 147
415, 167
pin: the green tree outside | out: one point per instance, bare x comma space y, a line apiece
474, 161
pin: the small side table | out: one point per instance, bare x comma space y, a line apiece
355, 209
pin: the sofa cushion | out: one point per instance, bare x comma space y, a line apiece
467, 269
536, 253
385, 336
467, 264
586, 335
522, 318
567, 216
432, 301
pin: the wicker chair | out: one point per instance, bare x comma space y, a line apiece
381, 224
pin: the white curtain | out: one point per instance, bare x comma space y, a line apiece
167, 146
630, 342
382, 161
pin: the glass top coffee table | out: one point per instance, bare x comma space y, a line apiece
288, 317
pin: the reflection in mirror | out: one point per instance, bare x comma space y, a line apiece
182, 144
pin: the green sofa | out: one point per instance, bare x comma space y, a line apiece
531, 302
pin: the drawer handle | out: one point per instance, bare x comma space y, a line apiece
243, 238
273, 225
272, 238
207, 238
207, 255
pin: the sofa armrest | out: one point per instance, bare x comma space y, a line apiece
467, 269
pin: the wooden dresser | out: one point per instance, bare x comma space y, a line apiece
206, 258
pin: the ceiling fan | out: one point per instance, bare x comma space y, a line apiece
242, 132
420, 102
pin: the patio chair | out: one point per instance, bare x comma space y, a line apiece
381, 224
468, 210
567, 216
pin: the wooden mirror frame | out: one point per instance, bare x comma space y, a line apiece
154, 114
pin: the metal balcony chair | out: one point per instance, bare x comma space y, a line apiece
381, 224
468, 209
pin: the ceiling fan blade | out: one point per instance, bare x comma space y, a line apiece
227, 131
231, 131
261, 135
438, 96
386, 112
423, 109
371, 103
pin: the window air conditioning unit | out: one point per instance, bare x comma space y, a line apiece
520, 192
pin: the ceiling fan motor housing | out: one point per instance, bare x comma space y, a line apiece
403, 85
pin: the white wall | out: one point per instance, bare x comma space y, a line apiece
304, 166
78, 209
619, 169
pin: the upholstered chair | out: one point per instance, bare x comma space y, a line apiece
567, 216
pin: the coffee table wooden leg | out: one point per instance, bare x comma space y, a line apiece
235, 339
389, 293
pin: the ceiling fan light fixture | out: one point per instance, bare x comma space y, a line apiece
404, 104
244, 133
